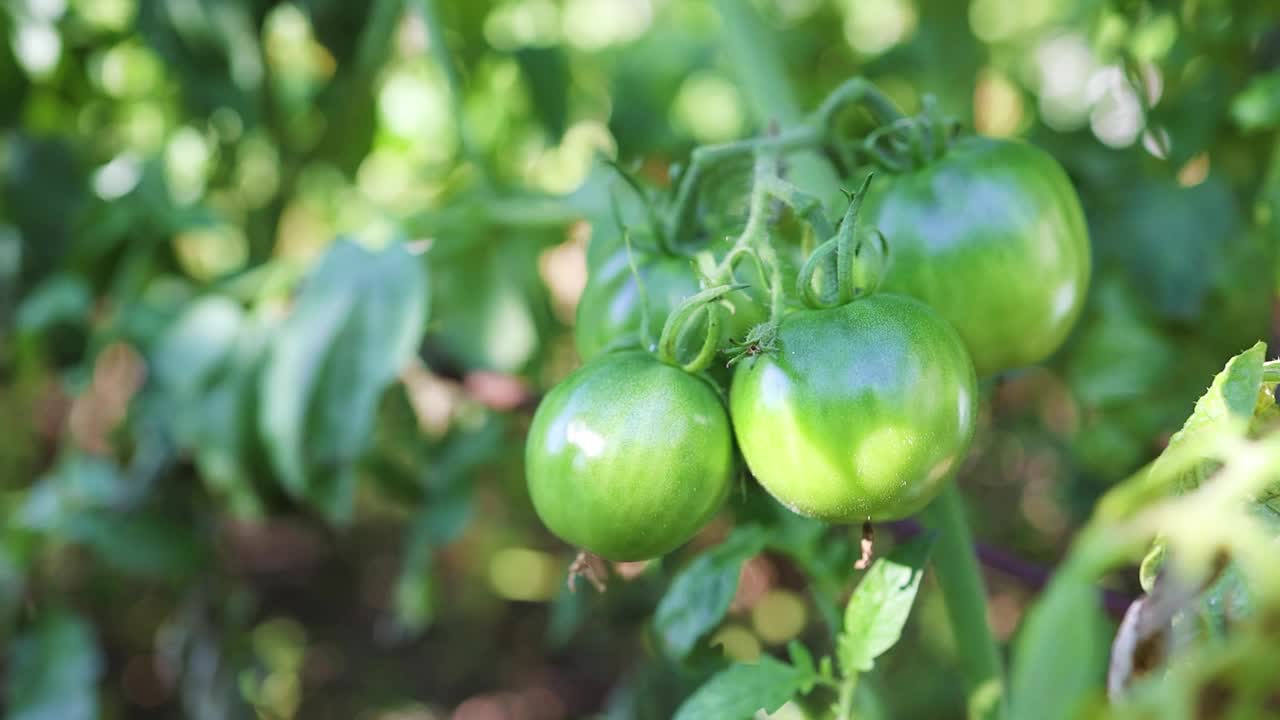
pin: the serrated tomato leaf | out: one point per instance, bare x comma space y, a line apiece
881, 604
742, 690
700, 595
1229, 401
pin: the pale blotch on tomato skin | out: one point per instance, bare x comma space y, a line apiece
628, 457
861, 412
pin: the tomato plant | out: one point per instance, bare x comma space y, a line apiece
876, 359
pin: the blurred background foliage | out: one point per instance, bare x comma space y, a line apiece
248, 471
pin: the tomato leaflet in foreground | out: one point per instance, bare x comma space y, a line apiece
629, 457
991, 235
862, 411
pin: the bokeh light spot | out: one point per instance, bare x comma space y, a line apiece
779, 616
738, 643
709, 107
873, 26
522, 574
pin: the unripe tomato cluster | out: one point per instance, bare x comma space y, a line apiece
850, 413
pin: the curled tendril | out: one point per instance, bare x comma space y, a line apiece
857, 269
686, 315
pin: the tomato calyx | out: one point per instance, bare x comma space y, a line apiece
856, 263
762, 338
707, 305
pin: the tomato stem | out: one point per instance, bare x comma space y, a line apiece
685, 315
707, 157
965, 595
848, 686
856, 91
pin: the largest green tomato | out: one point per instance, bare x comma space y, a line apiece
859, 412
629, 457
991, 235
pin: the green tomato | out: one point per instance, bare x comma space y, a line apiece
991, 235
629, 457
610, 314
859, 411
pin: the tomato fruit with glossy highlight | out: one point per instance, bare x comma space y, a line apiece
628, 457
860, 412
991, 235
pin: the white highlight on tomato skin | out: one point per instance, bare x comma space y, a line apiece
774, 387
1063, 301
964, 406
589, 442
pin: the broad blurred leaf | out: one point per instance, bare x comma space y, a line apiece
442, 521
881, 604
1172, 240
80, 483
209, 359
700, 595
1119, 355
742, 690
358, 319
88, 501
63, 298
197, 343
1257, 107
547, 76
490, 306
1060, 653
11, 584
54, 670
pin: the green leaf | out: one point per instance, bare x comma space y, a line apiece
491, 308
142, 543
197, 343
87, 500
1257, 107
63, 298
357, 321
78, 484
881, 604
546, 73
1226, 406
12, 584
209, 360
54, 670
438, 524
742, 690
700, 595
1060, 653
